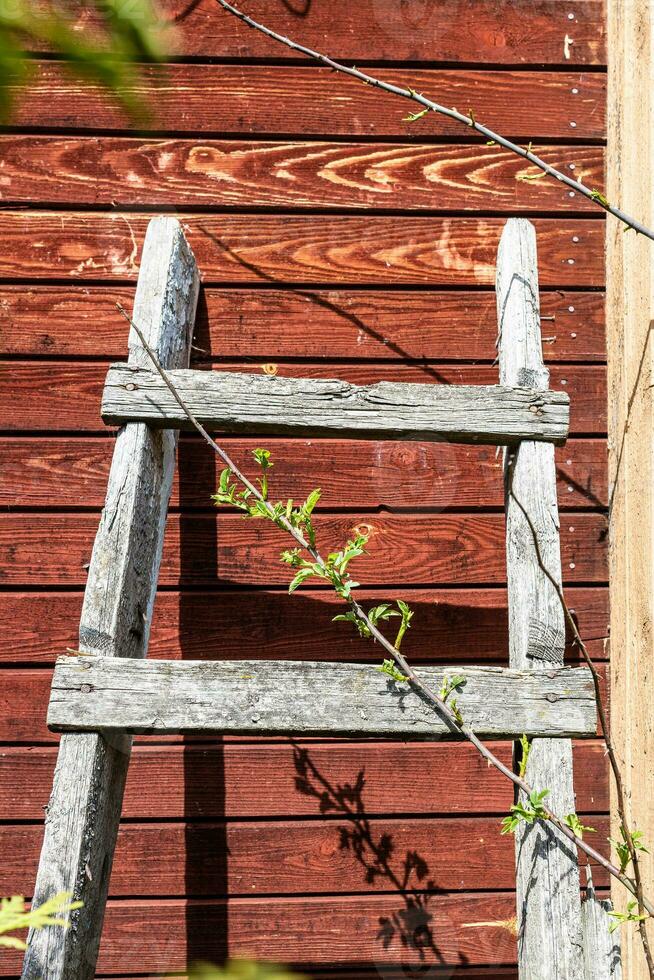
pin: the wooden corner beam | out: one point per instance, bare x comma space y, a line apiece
630, 355
298, 406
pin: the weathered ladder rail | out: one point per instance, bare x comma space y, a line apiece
550, 702
84, 809
551, 938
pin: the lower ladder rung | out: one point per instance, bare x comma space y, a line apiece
264, 697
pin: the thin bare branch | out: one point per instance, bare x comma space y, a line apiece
440, 705
606, 736
469, 121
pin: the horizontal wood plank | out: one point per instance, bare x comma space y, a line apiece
483, 31
277, 779
24, 696
450, 625
310, 249
308, 101
44, 396
63, 472
337, 931
294, 857
371, 973
249, 697
319, 324
457, 549
251, 403
225, 174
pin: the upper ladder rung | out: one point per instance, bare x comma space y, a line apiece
252, 403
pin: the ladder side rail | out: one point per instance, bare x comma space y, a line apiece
550, 945
84, 810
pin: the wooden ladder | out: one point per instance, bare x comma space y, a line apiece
100, 699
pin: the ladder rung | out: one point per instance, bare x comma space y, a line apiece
258, 404
264, 697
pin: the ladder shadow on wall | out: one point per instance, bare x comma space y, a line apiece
206, 847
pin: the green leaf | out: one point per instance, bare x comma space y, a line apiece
536, 176
536, 799
224, 480
622, 848
414, 116
311, 501
262, 457
510, 824
389, 667
576, 826
525, 746
301, 577
381, 612
629, 916
292, 557
599, 197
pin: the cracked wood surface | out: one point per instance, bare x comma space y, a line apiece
258, 404
266, 697
550, 939
84, 808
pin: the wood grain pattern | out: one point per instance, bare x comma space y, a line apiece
602, 953
292, 857
450, 625
248, 697
24, 696
63, 472
370, 973
255, 404
482, 31
49, 397
463, 549
320, 324
297, 248
630, 332
260, 779
307, 101
550, 933
134, 172
331, 931
84, 808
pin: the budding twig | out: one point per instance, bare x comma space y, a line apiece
449, 714
469, 120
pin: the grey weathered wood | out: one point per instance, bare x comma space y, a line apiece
84, 809
547, 874
259, 404
602, 958
265, 697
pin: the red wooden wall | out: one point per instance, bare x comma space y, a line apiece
334, 239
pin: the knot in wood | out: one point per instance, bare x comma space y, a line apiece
130, 386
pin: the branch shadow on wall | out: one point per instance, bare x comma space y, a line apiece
411, 924
318, 299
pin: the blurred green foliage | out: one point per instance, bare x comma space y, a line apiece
241, 970
15, 916
101, 41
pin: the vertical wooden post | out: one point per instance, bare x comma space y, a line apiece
630, 349
84, 810
547, 875
602, 959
